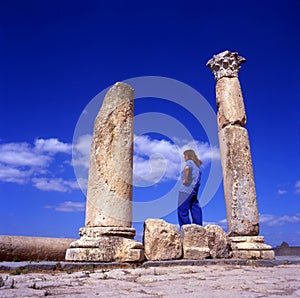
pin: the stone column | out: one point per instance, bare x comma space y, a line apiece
239, 186
108, 235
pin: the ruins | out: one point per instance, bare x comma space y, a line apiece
108, 235
239, 187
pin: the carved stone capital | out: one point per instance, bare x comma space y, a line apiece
225, 64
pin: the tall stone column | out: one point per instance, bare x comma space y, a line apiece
239, 187
108, 235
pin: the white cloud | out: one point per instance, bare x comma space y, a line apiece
9, 174
275, 221
52, 146
297, 186
81, 153
55, 184
68, 207
26, 163
22, 154
282, 192
156, 161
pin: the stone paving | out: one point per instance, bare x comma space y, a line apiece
205, 280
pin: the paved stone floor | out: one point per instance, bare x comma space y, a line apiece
219, 280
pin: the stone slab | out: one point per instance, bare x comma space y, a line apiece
52, 266
253, 254
94, 232
259, 239
195, 253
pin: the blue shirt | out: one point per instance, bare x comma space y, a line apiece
194, 178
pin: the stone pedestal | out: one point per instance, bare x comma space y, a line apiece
107, 235
106, 244
251, 247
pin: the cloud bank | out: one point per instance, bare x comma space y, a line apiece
68, 207
154, 161
23, 163
157, 161
276, 221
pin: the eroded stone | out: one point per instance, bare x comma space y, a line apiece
230, 102
105, 249
107, 235
248, 247
194, 242
225, 64
161, 241
239, 187
109, 192
24, 248
218, 242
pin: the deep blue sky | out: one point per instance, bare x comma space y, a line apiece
55, 56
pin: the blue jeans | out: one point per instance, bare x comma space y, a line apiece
189, 202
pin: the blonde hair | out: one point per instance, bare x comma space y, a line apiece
191, 155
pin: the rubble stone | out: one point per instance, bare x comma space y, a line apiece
194, 242
218, 242
161, 241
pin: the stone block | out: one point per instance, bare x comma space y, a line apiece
161, 241
267, 255
196, 253
94, 232
230, 102
239, 187
218, 242
194, 242
194, 235
251, 248
259, 239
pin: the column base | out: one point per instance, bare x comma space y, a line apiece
251, 247
105, 244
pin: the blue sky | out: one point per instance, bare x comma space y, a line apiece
56, 56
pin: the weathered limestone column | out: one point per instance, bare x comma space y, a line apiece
239, 186
25, 248
108, 235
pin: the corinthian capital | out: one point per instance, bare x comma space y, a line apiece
225, 64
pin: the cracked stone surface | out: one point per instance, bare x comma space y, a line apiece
176, 281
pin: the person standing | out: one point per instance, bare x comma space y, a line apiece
188, 190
